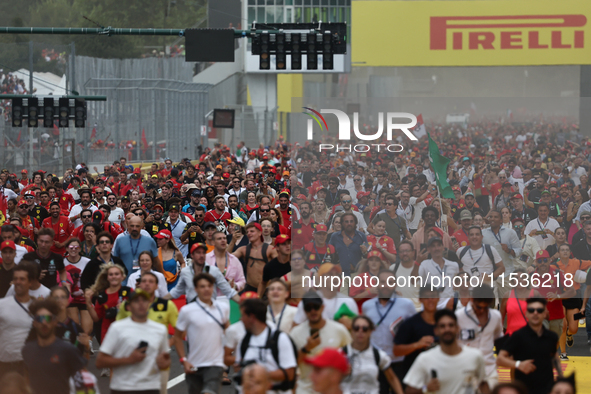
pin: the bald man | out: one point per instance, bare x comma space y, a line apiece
255, 380
131, 243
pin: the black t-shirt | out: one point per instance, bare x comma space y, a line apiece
154, 227
554, 210
39, 213
50, 367
527, 215
194, 237
581, 250
188, 179
68, 331
525, 344
412, 330
93, 268
53, 264
243, 242
6, 279
274, 269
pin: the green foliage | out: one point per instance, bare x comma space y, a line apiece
157, 14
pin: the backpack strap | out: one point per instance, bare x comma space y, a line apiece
464, 251
264, 252
396, 266
490, 255
247, 257
376, 356
244, 345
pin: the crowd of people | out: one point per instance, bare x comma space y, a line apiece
146, 261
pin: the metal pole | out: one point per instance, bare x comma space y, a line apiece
154, 126
31, 157
166, 106
139, 125
73, 66
31, 67
117, 103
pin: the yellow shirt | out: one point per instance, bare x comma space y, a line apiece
161, 311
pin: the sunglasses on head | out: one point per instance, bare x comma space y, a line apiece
536, 310
312, 307
43, 318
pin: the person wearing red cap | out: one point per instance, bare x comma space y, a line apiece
285, 209
24, 178
302, 229
8, 251
329, 370
318, 251
255, 256
520, 211
279, 266
62, 227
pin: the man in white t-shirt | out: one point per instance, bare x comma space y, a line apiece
203, 323
270, 348
136, 348
438, 272
480, 325
449, 367
542, 228
314, 335
479, 259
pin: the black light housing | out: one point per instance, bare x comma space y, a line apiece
327, 51
48, 112
79, 112
312, 63
64, 112
17, 112
296, 51
33, 112
280, 56
265, 58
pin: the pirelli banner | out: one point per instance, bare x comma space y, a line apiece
470, 33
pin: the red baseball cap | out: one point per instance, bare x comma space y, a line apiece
248, 294
542, 254
320, 228
196, 246
375, 253
163, 234
329, 358
24, 171
8, 244
282, 238
301, 197
258, 227
225, 175
362, 194
517, 196
137, 171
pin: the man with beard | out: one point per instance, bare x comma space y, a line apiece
62, 227
350, 244
458, 369
194, 203
35, 211
520, 211
50, 361
469, 200
154, 222
117, 215
430, 215
85, 203
129, 246
303, 228
219, 216
194, 230
250, 187
285, 209
236, 188
279, 266
255, 256
165, 196
234, 207
387, 312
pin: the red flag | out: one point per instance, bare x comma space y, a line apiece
93, 134
144, 142
56, 131
18, 139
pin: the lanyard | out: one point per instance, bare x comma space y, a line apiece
382, 317
134, 252
472, 258
499, 237
476, 321
465, 233
523, 244
22, 306
226, 266
173, 226
210, 315
101, 259
318, 254
278, 324
540, 224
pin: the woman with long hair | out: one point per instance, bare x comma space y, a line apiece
210, 194
381, 242
277, 217
295, 277
171, 257
75, 264
251, 204
580, 196
320, 212
506, 215
560, 237
267, 226
149, 263
89, 232
513, 305
367, 268
334, 227
364, 375
279, 313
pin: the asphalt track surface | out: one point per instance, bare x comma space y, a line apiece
579, 361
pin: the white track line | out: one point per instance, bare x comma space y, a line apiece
175, 381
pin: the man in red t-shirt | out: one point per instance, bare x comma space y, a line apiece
303, 229
318, 251
285, 209
133, 185
461, 235
219, 214
61, 225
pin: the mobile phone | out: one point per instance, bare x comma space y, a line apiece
578, 316
313, 331
433, 374
143, 345
423, 246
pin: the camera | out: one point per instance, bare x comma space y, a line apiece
111, 313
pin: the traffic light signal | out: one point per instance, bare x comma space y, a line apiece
64, 112
312, 63
280, 57
48, 112
17, 112
265, 58
296, 51
79, 112
327, 52
33, 112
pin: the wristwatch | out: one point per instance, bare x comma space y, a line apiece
303, 350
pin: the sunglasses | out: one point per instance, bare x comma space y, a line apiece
536, 310
104, 242
86, 216
312, 307
29, 197
73, 247
585, 217
543, 261
346, 201
265, 210
519, 226
43, 318
389, 203
364, 328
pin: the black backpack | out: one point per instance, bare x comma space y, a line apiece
488, 250
273, 344
376, 355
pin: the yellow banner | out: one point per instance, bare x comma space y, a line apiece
470, 33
